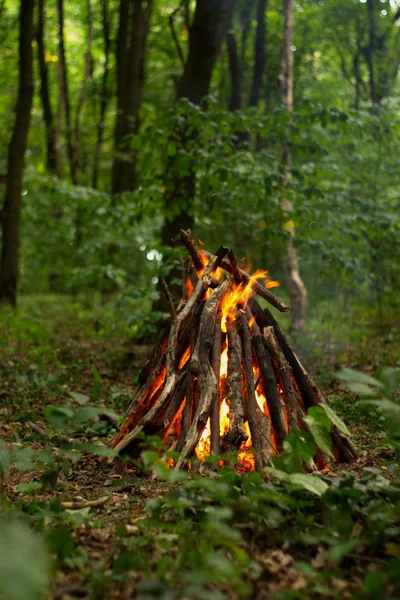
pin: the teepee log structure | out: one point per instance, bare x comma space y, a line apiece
223, 378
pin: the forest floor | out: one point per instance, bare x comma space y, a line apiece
156, 539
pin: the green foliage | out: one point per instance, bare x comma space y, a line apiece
24, 562
378, 392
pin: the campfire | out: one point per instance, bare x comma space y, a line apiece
224, 378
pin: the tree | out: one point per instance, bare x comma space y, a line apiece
208, 29
296, 287
52, 154
11, 213
260, 53
104, 94
64, 91
134, 23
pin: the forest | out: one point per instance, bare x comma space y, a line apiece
137, 135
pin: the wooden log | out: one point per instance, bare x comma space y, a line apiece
310, 393
185, 423
284, 376
173, 406
235, 267
150, 370
202, 369
236, 433
187, 239
250, 388
215, 443
172, 378
265, 430
270, 387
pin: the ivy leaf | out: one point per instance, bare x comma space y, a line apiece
337, 552
320, 426
311, 483
335, 419
80, 398
58, 416
24, 563
350, 375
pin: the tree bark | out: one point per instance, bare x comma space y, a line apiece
235, 96
105, 97
52, 158
370, 50
296, 287
64, 92
209, 27
133, 30
11, 214
84, 88
260, 53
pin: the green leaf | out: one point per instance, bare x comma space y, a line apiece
97, 376
29, 488
58, 416
339, 551
61, 542
350, 375
5, 457
311, 483
301, 444
24, 459
97, 450
320, 426
85, 414
24, 563
391, 380
80, 398
335, 419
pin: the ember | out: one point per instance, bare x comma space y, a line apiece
224, 378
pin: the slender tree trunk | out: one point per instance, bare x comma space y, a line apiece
245, 16
134, 26
260, 53
11, 214
64, 90
104, 98
296, 287
235, 97
85, 83
209, 28
52, 161
370, 50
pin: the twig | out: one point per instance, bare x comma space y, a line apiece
40, 431
168, 296
79, 504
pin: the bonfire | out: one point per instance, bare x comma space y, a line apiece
224, 379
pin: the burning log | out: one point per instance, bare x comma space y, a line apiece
224, 378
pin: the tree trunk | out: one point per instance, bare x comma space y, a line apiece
104, 98
209, 28
64, 90
370, 50
235, 97
134, 26
11, 214
260, 53
85, 82
296, 287
52, 159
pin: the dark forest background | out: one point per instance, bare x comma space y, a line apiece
269, 126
